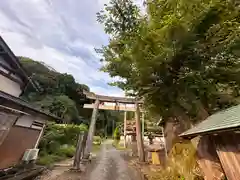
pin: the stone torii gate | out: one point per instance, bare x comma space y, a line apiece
117, 100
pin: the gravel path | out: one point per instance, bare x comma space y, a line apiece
109, 165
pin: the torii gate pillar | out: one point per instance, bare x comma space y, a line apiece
91, 130
141, 153
125, 129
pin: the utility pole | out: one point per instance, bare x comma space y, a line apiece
140, 146
91, 130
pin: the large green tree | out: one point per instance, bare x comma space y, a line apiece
181, 56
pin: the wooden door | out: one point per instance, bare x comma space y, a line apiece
6, 122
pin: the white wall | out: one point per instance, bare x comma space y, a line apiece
9, 86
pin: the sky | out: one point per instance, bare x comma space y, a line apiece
60, 33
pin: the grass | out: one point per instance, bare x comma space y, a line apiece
64, 152
48, 160
181, 165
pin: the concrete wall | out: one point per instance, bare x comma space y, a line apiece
9, 86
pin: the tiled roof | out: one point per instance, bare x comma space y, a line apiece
225, 120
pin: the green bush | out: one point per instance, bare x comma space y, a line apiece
116, 134
97, 140
58, 142
67, 151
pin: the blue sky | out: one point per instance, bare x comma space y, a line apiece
62, 34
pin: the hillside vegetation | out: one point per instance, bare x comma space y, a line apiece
62, 96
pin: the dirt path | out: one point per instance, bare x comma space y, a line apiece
112, 166
108, 165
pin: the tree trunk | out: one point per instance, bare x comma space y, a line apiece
182, 118
171, 131
202, 112
91, 130
141, 153
175, 125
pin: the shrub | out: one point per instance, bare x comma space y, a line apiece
67, 151
97, 140
58, 142
116, 134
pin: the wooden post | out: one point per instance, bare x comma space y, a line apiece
165, 146
113, 129
139, 135
143, 116
84, 141
77, 157
125, 128
91, 130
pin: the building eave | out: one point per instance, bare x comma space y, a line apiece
27, 105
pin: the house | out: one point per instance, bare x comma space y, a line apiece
218, 146
21, 124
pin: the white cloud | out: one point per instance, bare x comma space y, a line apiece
62, 34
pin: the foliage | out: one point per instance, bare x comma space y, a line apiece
97, 140
67, 151
60, 94
181, 164
60, 134
181, 56
116, 134
49, 159
59, 141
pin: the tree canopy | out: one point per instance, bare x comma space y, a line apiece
181, 56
